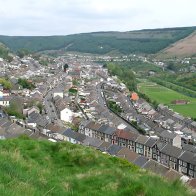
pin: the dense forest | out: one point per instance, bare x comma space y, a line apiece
143, 41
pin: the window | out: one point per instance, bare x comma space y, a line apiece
191, 173
154, 156
184, 169
174, 166
194, 174
184, 164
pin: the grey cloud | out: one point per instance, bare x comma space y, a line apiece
49, 17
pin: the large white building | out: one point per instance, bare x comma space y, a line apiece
66, 115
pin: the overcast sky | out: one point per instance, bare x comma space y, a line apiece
62, 17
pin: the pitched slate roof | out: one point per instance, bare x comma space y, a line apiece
168, 134
156, 167
189, 147
33, 117
142, 139
53, 127
85, 122
2, 121
126, 135
104, 146
141, 161
188, 157
160, 145
88, 141
114, 149
151, 142
75, 135
70, 133
110, 130
80, 137
92, 125
42, 122
102, 128
172, 151
127, 154
6, 125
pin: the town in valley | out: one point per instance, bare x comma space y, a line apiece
75, 98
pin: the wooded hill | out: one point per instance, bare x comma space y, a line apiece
147, 41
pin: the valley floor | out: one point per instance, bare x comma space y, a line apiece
165, 96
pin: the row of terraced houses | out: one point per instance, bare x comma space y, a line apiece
167, 149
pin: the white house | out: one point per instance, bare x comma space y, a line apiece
6, 93
66, 115
4, 101
60, 94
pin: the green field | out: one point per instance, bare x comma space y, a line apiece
164, 95
30, 167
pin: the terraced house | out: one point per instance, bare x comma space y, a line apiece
163, 150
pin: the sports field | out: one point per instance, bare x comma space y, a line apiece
164, 95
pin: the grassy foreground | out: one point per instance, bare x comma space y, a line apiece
165, 95
30, 167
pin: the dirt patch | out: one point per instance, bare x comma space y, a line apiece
184, 47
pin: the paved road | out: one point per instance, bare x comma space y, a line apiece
110, 115
51, 113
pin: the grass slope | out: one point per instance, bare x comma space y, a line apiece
165, 95
30, 167
143, 41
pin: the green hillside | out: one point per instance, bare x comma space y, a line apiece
143, 41
30, 167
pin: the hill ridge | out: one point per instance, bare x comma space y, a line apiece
147, 41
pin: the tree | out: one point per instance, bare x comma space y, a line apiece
66, 66
15, 109
23, 52
5, 83
25, 83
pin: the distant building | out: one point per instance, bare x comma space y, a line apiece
180, 102
171, 138
134, 96
5, 101
66, 115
